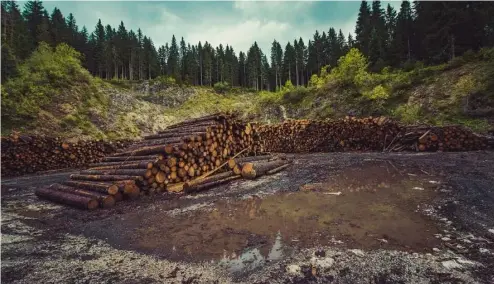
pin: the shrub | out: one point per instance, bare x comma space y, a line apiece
486, 54
221, 87
296, 95
467, 85
43, 76
350, 66
408, 113
378, 93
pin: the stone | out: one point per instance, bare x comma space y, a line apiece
445, 239
451, 264
324, 263
357, 252
320, 253
484, 250
293, 269
436, 250
465, 261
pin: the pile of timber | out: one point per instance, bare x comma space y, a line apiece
446, 138
248, 167
366, 134
349, 134
23, 154
166, 161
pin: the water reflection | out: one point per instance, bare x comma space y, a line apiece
252, 258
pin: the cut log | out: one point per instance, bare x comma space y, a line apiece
74, 200
93, 186
204, 186
174, 135
255, 169
105, 164
131, 172
104, 177
209, 179
105, 200
140, 165
132, 158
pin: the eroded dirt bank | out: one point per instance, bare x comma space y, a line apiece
335, 217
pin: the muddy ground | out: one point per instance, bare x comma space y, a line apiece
328, 218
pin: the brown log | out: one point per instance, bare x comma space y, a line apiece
131, 158
174, 135
208, 179
105, 200
140, 165
74, 200
204, 186
131, 172
120, 163
127, 187
255, 169
93, 186
104, 177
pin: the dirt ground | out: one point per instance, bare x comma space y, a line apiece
328, 218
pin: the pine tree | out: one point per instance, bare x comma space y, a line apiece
342, 45
72, 30
122, 48
173, 60
301, 60
390, 25
377, 43
99, 48
363, 28
403, 35
58, 28
242, 69
34, 13
183, 60
334, 48
43, 31
288, 63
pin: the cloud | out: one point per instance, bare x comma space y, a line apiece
237, 24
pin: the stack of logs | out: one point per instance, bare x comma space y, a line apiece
189, 150
349, 134
447, 138
22, 154
366, 134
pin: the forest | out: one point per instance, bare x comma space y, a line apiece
425, 31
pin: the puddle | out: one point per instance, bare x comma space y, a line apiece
377, 208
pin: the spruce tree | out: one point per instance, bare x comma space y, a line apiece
363, 28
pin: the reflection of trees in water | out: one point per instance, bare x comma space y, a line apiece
252, 258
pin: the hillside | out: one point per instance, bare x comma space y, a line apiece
54, 95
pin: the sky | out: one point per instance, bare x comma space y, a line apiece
236, 23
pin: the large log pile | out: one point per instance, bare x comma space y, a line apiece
349, 134
166, 161
204, 152
22, 154
366, 134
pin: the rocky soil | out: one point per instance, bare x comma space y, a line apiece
329, 218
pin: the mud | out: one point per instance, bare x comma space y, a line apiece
344, 218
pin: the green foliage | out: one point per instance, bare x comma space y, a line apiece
166, 80
408, 113
44, 76
295, 95
270, 98
287, 87
351, 65
378, 93
467, 85
221, 87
